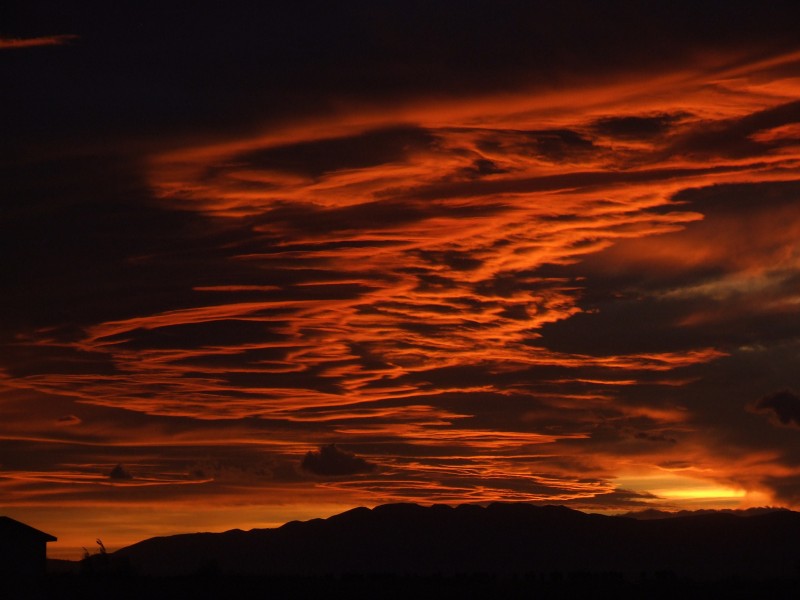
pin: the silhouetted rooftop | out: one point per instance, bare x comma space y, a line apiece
11, 528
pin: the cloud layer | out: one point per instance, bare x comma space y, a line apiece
564, 286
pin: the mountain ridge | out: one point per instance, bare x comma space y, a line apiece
501, 538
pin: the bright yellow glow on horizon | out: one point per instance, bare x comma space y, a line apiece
683, 489
700, 493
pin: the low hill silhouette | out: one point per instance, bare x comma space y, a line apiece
500, 539
652, 513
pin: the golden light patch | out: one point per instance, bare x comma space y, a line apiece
684, 492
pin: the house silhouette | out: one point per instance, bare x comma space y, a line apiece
23, 550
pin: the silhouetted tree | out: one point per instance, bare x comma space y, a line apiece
97, 562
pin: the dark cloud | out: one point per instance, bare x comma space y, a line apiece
382, 215
81, 241
246, 468
196, 335
617, 498
330, 460
482, 167
705, 285
783, 405
559, 182
660, 325
735, 137
548, 144
25, 359
560, 144
120, 473
458, 261
787, 489
315, 158
637, 127
740, 199
655, 437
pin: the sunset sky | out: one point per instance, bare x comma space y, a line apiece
263, 264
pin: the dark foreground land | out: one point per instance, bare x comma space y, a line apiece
395, 587
407, 551
500, 539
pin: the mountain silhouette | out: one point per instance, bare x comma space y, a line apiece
499, 539
652, 513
